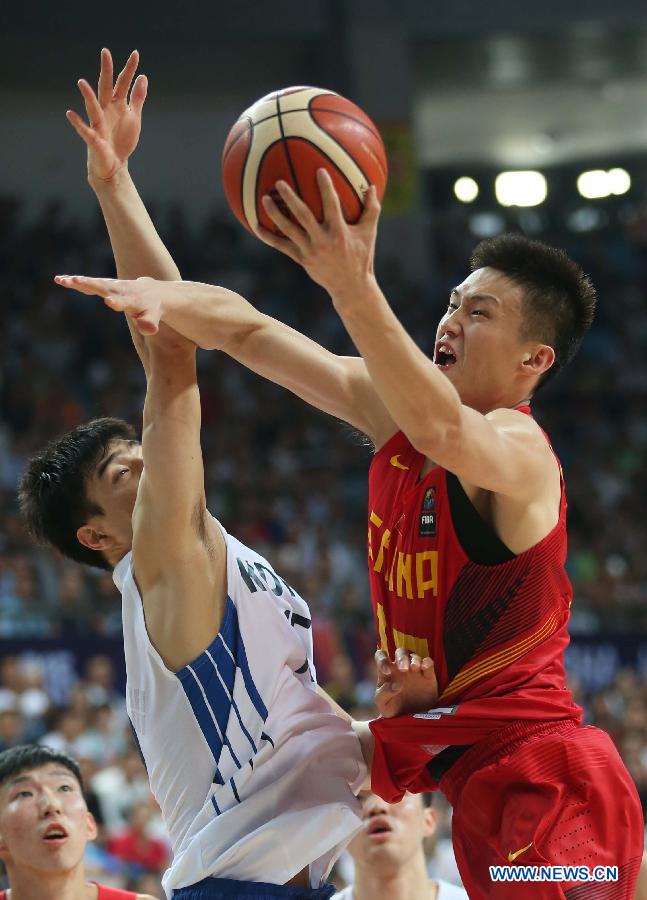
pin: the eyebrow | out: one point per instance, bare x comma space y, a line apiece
57, 772
477, 296
106, 462
103, 465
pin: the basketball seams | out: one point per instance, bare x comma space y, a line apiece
348, 161
286, 148
305, 109
230, 147
276, 144
329, 161
344, 114
341, 146
255, 157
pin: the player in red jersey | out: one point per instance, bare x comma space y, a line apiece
44, 828
467, 530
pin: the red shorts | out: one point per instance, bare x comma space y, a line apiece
560, 796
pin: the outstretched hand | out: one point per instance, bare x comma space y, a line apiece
336, 255
406, 685
140, 299
114, 119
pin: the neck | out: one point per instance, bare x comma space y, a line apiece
26, 885
397, 882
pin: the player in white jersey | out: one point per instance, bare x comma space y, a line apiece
254, 773
388, 853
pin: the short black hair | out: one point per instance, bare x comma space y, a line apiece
25, 757
559, 299
53, 492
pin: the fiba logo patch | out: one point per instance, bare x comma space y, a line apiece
428, 514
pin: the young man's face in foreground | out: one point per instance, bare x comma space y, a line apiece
44, 821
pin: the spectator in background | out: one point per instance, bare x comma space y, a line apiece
23, 612
136, 846
68, 733
12, 729
120, 787
105, 740
389, 856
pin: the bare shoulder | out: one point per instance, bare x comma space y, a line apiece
183, 594
521, 428
199, 549
513, 419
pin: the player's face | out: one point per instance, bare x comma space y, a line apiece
392, 832
113, 486
44, 821
482, 330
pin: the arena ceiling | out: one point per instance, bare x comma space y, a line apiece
500, 83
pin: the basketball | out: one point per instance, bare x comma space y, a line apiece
288, 135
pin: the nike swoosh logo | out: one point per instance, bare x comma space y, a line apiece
512, 856
395, 461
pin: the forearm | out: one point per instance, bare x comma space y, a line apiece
140, 345
216, 318
422, 402
138, 249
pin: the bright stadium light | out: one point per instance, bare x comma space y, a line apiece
619, 181
520, 188
466, 189
598, 183
594, 184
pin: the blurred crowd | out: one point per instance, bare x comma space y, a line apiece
286, 479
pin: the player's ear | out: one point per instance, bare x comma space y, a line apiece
429, 821
92, 538
92, 827
4, 850
537, 360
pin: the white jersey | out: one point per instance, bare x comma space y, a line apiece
254, 774
446, 891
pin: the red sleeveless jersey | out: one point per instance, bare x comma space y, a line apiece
105, 893
497, 633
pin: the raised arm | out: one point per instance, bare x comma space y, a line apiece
216, 318
483, 450
178, 550
111, 135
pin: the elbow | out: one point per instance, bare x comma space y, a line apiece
440, 440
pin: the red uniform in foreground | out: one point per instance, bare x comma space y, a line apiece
529, 785
105, 893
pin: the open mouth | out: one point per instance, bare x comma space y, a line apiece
444, 356
55, 834
378, 826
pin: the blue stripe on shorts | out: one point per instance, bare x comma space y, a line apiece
225, 888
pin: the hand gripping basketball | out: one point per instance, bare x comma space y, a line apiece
336, 255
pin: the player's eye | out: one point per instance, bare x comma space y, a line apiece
23, 793
451, 306
66, 787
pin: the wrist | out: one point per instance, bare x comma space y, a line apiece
360, 294
118, 178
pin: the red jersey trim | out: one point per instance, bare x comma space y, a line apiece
104, 893
500, 659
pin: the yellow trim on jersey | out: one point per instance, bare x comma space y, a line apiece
498, 660
381, 627
411, 643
